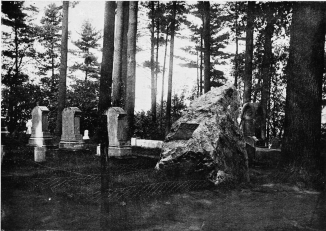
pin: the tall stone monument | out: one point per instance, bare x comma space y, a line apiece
71, 137
40, 127
119, 145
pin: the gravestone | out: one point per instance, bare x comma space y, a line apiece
119, 145
71, 137
208, 136
29, 127
40, 132
86, 137
39, 154
251, 123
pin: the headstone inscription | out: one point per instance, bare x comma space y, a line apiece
119, 145
71, 137
40, 132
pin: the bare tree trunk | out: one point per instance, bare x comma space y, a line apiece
124, 61
236, 61
168, 103
266, 70
197, 72
63, 68
107, 58
105, 97
302, 130
157, 48
132, 32
163, 74
153, 87
249, 53
117, 58
207, 55
201, 63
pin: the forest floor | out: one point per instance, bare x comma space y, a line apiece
264, 204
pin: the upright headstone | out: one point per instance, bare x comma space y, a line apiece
39, 154
119, 145
86, 137
40, 132
71, 137
29, 127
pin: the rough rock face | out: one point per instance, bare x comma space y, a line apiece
216, 145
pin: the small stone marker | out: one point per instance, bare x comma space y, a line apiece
29, 127
39, 154
133, 141
71, 137
86, 137
40, 133
117, 132
98, 150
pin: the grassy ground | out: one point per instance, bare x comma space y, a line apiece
64, 193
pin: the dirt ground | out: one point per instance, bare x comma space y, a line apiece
262, 205
263, 208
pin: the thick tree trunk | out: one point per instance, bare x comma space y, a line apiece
107, 58
197, 72
267, 71
207, 44
153, 87
236, 61
169, 97
63, 68
157, 48
201, 63
163, 74
124, 61
302, 130
249, 53
105, 96
131, 75
117, 58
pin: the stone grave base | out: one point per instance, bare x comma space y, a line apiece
71, 144
40, 142
120, 151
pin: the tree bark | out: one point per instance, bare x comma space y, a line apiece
169, 96
157, 48
107, 58
124, 57
207, 55
63, 68
266, 70
153, 87
249, 53
302, 130
163, 74
131, 74
117, 58
236, 61
201, 63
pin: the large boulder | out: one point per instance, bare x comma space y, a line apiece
209, 136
